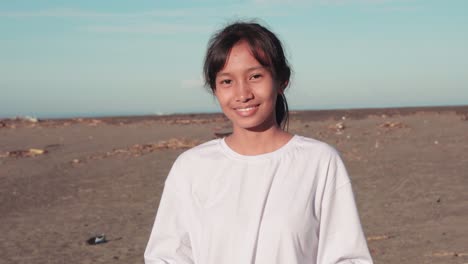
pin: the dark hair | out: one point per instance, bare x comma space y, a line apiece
265, 47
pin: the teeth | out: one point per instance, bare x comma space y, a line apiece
246, 109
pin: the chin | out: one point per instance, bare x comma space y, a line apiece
255, 126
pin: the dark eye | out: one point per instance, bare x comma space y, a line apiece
255, 76
225, 81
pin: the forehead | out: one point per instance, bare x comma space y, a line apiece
240, 58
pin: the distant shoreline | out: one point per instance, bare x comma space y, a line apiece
309, 115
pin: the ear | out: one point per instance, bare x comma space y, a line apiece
282, 87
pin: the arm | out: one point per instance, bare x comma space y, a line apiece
169, 242
341, 239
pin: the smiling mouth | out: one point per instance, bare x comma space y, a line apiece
247, 111
247, 108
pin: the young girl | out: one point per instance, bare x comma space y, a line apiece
260, 195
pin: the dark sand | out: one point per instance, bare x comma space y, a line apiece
409, 169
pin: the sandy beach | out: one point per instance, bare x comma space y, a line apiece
64, 181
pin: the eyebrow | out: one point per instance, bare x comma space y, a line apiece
248, 70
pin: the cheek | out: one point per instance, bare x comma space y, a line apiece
270, 93
222, 98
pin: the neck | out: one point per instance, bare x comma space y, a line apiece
247, 142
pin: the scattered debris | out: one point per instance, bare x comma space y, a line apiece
19, 120
28, 119
33, 152
87, 121
390, 125
338, 127
94, 122
95, 240
447, 254
175, 143
190, 121
142, 149
100, 239
379, 237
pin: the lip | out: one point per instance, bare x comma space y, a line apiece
246, 111
246, 107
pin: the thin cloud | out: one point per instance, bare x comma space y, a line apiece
221, 11
59, 13
356, 1
79, 13
192, 83
326, 2
150, 29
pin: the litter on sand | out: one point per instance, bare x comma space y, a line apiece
32, 152
389, 124
379, 237
95, 240
447, 254
142, 149
337, 128
100, 239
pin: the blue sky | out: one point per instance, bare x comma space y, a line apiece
91, 58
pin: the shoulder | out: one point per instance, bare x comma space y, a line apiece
315, 148
207, 150
328, 163
199, 157
192, 161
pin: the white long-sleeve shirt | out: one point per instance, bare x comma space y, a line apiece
291, 206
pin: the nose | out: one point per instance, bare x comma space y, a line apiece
243, 92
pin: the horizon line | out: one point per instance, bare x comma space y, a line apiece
462, 107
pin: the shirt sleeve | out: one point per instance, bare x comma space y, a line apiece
341, 239
169, 242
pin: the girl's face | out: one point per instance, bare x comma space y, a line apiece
246, 91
